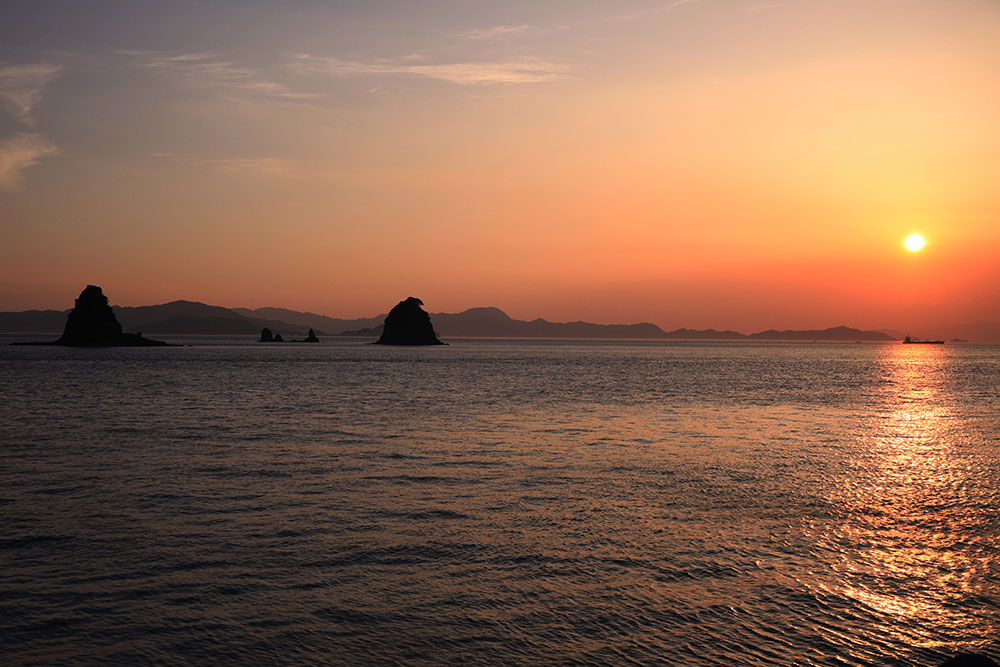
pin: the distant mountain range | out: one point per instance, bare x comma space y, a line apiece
176, 317
194, 318
295, 319
494, 323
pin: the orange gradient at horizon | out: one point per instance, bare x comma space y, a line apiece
764, 184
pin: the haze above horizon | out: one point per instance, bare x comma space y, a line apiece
699, 163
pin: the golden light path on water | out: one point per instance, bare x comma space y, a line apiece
904, 507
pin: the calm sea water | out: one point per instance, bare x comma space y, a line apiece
500, 502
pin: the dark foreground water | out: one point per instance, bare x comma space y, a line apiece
500, 502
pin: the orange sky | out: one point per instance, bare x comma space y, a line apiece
704, 164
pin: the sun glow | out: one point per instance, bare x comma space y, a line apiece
914, 242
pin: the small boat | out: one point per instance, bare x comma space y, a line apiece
910, 341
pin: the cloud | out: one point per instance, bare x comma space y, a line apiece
21, 88
20, 152
203, 64
257, 166
642, 14
499, 32
516, 70
496, 32
212, 69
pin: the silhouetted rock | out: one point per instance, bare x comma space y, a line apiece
970, 660
408, 324
92, 323
277, 338
265, 336
311, 338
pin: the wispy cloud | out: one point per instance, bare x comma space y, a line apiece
594, 21
515, 70
664, 8
215, 70
499, 32
21, 88
257, 166
496, 32
20, 152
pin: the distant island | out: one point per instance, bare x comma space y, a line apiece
195, 318
408, 324
267, 337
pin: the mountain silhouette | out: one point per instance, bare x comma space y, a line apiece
704, 334
33, 321
300, 321
831, 334
194, 318
494, 323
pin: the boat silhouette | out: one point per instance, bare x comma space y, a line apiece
910, 341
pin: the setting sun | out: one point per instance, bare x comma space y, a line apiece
914, 242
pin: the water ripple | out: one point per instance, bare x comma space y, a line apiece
503, 503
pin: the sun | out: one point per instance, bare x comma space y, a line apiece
914, 242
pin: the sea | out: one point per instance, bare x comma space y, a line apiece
499, 502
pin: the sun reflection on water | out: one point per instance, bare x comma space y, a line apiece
913, 551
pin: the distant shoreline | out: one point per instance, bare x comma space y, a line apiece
190, 318
249, 340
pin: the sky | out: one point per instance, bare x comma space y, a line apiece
736, 164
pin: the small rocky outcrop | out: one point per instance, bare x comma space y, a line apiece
92, 323
311, 338
408, 324
277, 338
265, 336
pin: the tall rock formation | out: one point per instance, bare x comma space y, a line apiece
92, 323
408, 324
